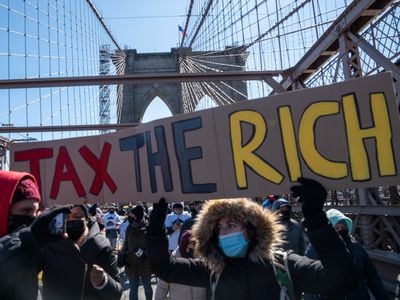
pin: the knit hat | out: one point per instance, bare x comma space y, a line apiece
26, 190
335, 216
279, 204
138, 212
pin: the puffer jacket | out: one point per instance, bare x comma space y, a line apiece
175, 291
136, 239
252, 277
66, 270
20, 252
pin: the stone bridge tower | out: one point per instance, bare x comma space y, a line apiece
136, 98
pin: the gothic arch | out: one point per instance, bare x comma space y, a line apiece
151, 94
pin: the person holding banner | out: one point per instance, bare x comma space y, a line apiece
23, 233
237, 243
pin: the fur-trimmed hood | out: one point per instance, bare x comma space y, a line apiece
264, 230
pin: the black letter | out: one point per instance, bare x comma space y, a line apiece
185, 155
134, 142
159, 158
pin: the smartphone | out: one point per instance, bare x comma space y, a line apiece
58, 225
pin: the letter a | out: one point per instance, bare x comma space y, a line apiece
63, 160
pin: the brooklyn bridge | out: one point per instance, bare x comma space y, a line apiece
63, 74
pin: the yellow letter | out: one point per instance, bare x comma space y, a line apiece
381, 131
315, 161
244, 154
289, 142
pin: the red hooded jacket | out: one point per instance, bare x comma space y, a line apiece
8, 182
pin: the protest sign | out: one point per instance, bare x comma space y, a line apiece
345, 135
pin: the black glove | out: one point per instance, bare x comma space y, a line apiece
157, 218
40, 227
313, 195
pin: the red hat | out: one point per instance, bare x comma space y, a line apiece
9, 180
26, 190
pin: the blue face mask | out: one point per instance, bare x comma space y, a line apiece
234, 244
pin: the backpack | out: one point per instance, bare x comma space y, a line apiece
282, 275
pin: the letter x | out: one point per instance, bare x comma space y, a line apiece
100, 168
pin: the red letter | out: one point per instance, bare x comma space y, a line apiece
63, 159
34, 156
100, 168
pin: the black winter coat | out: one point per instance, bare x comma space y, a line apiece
66, 271
135, 239
367, 276
242, 278
20, 258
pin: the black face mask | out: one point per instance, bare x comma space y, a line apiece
344, 234
16, 221
285, 215
75, 229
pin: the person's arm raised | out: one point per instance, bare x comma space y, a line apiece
168, 268
334, 273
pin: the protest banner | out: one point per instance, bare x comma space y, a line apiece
345, 135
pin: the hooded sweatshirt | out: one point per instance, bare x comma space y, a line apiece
170, 220
251, 277
20, 256
8, 182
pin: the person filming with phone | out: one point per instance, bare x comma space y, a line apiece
83, 265
173, 223
23, 233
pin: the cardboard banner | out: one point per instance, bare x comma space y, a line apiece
345, 135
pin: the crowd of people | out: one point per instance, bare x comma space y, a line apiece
216, 249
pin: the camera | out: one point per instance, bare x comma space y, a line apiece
58, 225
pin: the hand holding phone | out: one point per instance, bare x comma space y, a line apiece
57, 226
40, 227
